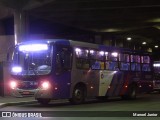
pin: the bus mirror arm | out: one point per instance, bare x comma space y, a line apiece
7, 57
9, 51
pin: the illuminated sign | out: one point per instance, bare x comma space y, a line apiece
33, 47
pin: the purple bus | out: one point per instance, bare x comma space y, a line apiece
66, 69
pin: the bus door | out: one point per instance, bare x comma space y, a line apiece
63, 70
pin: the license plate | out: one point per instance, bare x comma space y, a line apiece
26, 92
32, 83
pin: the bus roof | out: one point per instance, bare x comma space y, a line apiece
85, 44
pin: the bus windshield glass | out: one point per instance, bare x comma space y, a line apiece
33, 59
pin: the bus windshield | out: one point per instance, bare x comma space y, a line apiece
31, 61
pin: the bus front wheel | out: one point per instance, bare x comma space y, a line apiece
78, 95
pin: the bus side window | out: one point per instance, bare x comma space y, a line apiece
146, 67
58, 63
113, 65
124, 59
82, 61
138, 67
95, 65
66, 60
97, 60
133, 66
145, 63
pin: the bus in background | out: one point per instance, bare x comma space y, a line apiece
156, 82
66, 69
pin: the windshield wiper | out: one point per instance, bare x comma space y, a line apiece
33, 66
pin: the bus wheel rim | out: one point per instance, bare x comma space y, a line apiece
78, 94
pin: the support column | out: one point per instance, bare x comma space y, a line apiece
114, 43
20, 26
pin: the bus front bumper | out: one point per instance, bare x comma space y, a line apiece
41, 93
22, 92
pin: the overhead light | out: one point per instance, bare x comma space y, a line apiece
109, 30
129, 38
156, 20
156, 46
157, 27
144, 43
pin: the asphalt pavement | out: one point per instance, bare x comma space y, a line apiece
9, 100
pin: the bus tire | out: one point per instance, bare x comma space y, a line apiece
78, 95
43, 101
132, 92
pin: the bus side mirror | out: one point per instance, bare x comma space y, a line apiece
9, 53
7, 57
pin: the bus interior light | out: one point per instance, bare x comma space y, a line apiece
156, 65
114, 54
87, 51
101, 53
106, 53
91, 51
78, 50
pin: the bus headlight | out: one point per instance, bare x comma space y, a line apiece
16, 69
13, 84
45, 85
